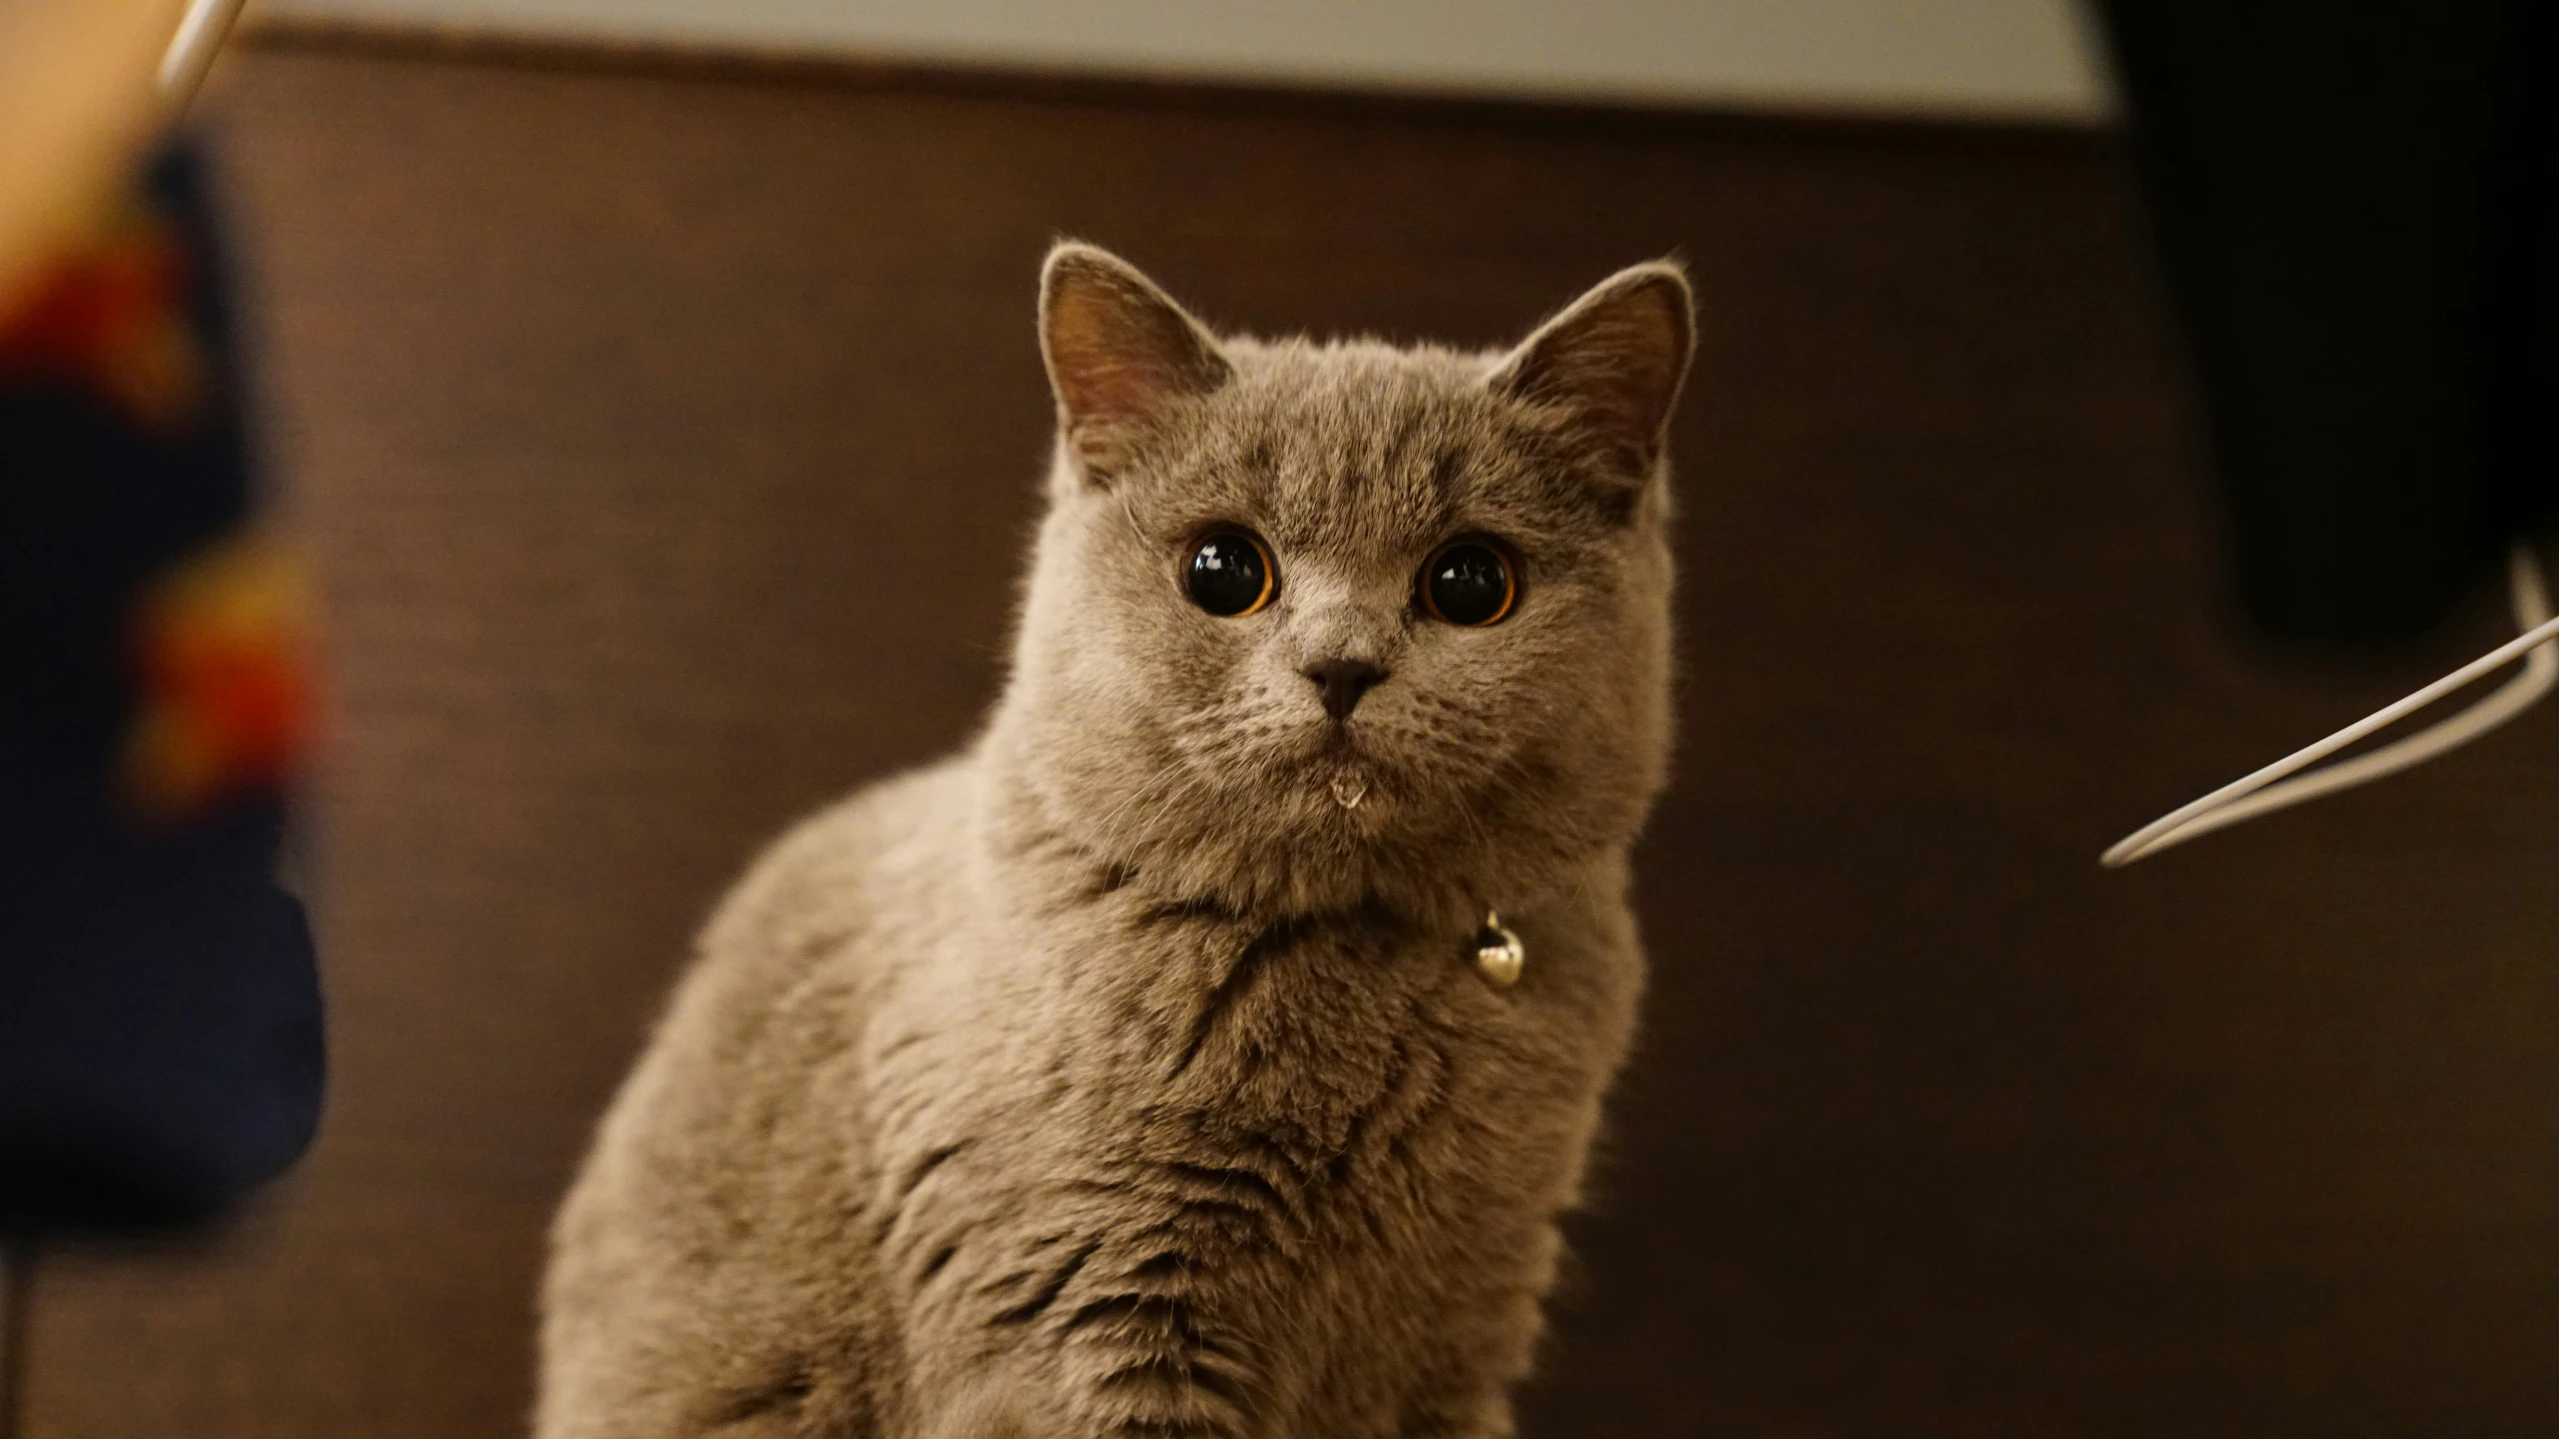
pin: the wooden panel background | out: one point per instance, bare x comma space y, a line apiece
665, 442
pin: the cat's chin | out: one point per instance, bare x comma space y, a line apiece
1322, 819
1345, 780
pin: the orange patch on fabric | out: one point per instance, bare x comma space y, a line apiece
110, 314
224, 648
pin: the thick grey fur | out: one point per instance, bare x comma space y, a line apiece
1115, 1077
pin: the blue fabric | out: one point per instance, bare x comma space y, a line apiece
160, 1020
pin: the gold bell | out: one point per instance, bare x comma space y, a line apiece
1499, 956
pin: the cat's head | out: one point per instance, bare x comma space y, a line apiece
1317, 624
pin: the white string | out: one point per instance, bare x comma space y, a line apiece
2259, 793
190, 52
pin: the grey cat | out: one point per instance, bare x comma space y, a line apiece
1136, 1072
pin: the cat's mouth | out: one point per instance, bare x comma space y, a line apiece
1345, 769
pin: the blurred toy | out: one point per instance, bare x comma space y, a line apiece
160, 1039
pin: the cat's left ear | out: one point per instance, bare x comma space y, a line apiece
1613, 363
1119, 352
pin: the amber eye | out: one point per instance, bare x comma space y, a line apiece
1469, 583
1231, 574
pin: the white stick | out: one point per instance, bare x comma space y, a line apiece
190, 53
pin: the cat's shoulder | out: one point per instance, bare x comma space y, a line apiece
814, 928
874, 850
824, 893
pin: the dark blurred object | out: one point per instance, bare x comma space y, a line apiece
2353, 202
160, 1042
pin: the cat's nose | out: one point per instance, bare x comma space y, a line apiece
1342, 683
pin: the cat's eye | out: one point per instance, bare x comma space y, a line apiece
1469, 583
1231, 574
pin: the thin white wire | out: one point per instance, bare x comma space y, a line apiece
190, 53
2259, 793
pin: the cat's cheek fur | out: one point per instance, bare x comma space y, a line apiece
1116, 1077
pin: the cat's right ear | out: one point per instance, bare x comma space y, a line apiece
1119, 351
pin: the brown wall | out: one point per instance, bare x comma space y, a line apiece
665, 442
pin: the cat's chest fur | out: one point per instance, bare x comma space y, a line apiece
1119, 1143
